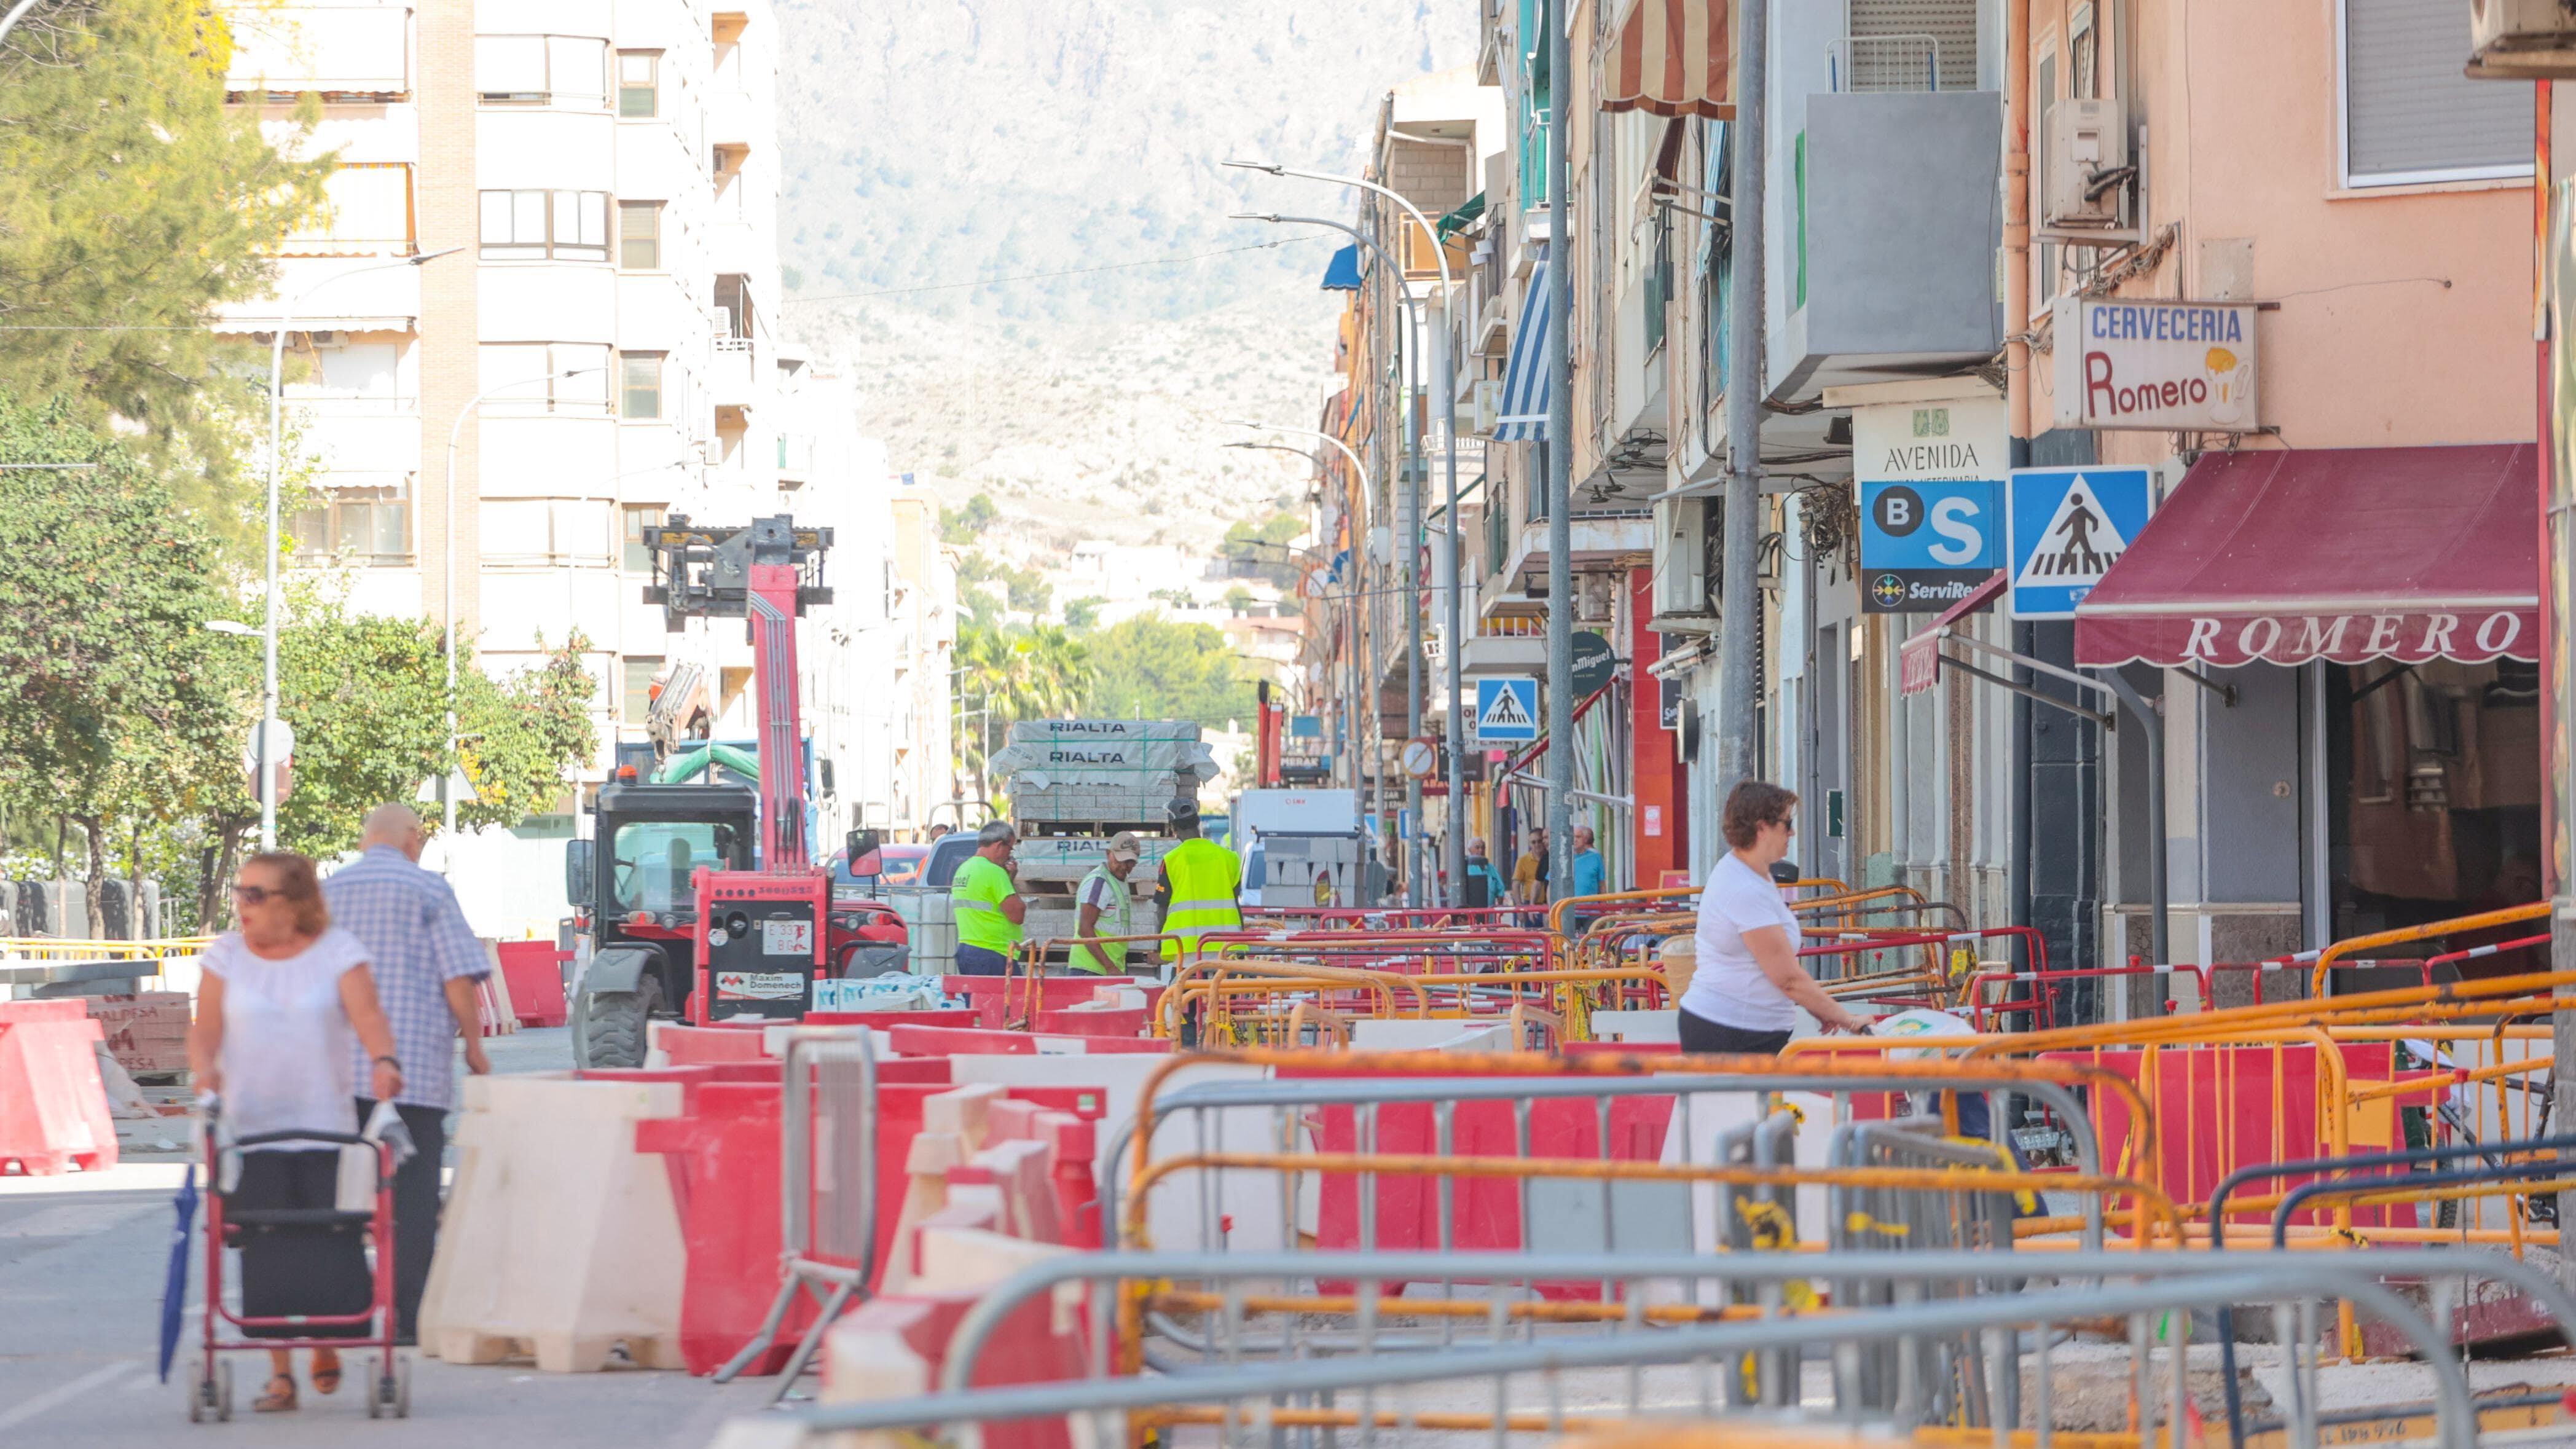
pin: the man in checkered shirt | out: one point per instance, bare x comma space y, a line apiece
426, 961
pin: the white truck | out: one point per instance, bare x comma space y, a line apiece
1301, 848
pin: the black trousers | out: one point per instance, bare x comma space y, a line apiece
1701, 1036
416, 1197
980, 961
318, 1271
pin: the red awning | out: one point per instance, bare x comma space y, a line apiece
1672, 58
2341, 554
1919, 657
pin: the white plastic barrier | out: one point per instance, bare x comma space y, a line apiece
558, 1241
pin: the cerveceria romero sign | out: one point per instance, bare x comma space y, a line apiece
2171, 366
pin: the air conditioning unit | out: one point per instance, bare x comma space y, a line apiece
1684, 584
2522, 39
2088, 164
1488, 407
327, 339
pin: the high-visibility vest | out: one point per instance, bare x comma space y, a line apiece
978, 893
1116, 919
1202, 875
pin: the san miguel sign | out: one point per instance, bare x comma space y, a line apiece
2162, 366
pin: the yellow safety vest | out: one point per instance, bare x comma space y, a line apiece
1116, 919
978, 893
1203, 876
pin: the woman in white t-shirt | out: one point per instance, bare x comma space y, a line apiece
1746, 991
280, 1002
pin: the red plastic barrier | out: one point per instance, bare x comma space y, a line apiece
1123, 1022
918, 1070
689, 1046
998, 996
888, 1020
723, 1160
1102, 1046
1620, 1049
944, 1041
534, 970
53, 1108
1032, 1346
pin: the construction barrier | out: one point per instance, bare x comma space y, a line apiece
558, 1241
533, 971
53, 1106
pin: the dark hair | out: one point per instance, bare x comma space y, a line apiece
300, 883
1752, 805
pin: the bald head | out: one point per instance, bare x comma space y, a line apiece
394, 825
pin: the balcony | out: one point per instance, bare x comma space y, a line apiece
1876, 301
1600, 540
732, 375
356, 52
1502, 644
730, 118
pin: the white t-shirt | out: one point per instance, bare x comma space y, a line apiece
287, 1040
1728, 986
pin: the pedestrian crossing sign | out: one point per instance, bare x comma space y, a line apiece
1506, 709
2068, 527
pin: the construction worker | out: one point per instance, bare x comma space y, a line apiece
1201, 881
990, 911
1104, 900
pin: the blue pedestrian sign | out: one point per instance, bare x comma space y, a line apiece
2069, 525
1506, 709
1924, 544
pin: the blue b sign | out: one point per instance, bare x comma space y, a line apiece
2069, 525
1507, 709
1924, 544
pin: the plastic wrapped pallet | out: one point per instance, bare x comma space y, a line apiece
1071, 857
1111, 807
1171, 766
1101, 731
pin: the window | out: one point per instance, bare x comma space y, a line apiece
545, 532
366, 211
639, 236
642, 383
529, 378
541, 70
639, 517
369, 523
639, 83
2043, 256
2408, 114
639, 673
533, 225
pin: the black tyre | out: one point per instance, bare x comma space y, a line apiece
612, 1025
862, 962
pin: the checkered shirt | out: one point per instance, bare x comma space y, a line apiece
417, 940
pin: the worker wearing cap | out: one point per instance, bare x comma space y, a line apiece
1200, 881
989, 909
1103, 900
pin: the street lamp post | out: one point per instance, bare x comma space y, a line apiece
447, 591
276, 452
1350, 750
1444, 376
1353, 594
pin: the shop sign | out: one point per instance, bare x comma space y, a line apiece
2168, 366
1931, 497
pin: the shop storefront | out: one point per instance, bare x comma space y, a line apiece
2351, 697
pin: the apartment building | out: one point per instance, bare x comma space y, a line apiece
591, 347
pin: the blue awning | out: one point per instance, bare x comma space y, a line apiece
1343, 273
1525, 380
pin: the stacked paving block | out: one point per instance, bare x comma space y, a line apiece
1074, 784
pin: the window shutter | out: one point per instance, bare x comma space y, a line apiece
1888, 50
2409, 114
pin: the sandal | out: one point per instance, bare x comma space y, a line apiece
277, 1400
326, 1375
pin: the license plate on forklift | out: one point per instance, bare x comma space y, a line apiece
787, 938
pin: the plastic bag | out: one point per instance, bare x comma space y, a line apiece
356, 1192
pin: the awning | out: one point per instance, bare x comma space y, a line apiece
2340, 554
1673, 58
1918, 659
1525, 380
1464, 217
1342, 273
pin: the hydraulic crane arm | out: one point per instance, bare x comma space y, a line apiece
766, 573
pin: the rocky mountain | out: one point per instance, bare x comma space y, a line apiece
968, 141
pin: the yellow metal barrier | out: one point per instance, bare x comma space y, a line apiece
51, 948
2430, 931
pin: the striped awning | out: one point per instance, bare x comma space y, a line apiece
1525, 380
1673, 58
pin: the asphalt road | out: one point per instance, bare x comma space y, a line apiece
81, 1264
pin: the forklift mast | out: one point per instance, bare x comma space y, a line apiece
767, 574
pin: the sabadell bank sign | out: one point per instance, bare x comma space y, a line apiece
2140, 363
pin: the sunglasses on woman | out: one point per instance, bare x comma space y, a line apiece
251, 895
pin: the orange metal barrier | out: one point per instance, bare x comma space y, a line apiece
2431, 931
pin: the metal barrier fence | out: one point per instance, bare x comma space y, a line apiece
1948, 1351
827, 1188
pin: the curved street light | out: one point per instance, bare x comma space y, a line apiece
1448, 394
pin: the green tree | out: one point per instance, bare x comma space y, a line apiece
1238, 600
133, 203
118, 705
1084, 613
1260, 550
525, 736
1152, 668
1007, 675
968, 523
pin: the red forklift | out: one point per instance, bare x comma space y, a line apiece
705, 902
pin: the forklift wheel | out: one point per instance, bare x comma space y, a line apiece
613, 1024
